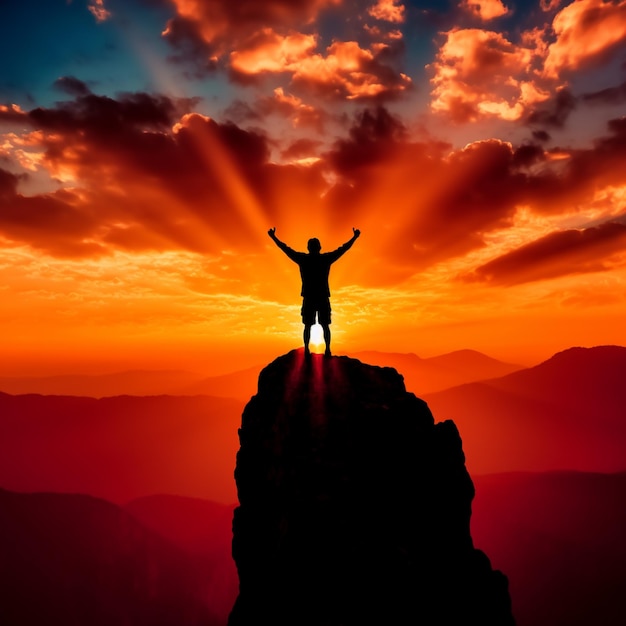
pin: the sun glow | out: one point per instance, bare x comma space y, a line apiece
317, 338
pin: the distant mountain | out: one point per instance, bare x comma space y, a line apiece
120, 448
420, 375
241, 384
133, 383
433, 374
76, 560
203, 529
560, 539
565, 413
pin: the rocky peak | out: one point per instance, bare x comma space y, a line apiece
354, 506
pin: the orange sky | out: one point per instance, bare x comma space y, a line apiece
487, 174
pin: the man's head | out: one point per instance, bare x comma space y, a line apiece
314, 245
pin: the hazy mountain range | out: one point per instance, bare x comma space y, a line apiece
420, 375
566, 413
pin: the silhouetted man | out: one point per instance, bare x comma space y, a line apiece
314, 270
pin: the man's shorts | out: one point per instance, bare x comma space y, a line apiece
311, 308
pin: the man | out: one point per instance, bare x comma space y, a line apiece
314, 270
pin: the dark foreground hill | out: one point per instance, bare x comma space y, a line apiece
565, 413
79, 561
203, 530
560, 538
354, 505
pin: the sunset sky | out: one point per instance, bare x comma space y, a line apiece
146, 146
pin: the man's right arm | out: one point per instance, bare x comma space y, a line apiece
292, 254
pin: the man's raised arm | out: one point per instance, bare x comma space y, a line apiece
292, 254
346, 246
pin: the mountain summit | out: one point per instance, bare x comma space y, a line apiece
354, 506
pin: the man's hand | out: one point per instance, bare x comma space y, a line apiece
271, 232
356, 232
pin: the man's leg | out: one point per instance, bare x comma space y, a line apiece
326, 329
307, 337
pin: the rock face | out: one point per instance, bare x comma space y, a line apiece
354, 506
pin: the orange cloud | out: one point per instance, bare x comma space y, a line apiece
345, 71
351, 72
481, 73
388, 11
211, 29
98, 10
302, 114
585, 31
270, 52
485, 9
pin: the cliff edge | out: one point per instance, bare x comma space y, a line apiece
354, 506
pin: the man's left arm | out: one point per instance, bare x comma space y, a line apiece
341, 250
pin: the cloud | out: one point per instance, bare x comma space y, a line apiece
268, 52
301, 149
49, 222
256, 40
478, 73
610, 95
433, 203
145, 172
350, 72
558, 254
388, 11
485, 9
142, 172
345, 71
290, 106
586, 31
541, 135
72, 86
12, 113
286, 105
98, 10
374, 136
555, 111
549, 5
215, 28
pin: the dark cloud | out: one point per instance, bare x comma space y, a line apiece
191, 48
557, 254
541, 135
555, 112
373, 138
611, 95
50, 222
527, 155
72, 86
239, 111
147, 178
8, 185
104, 115
301, 148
